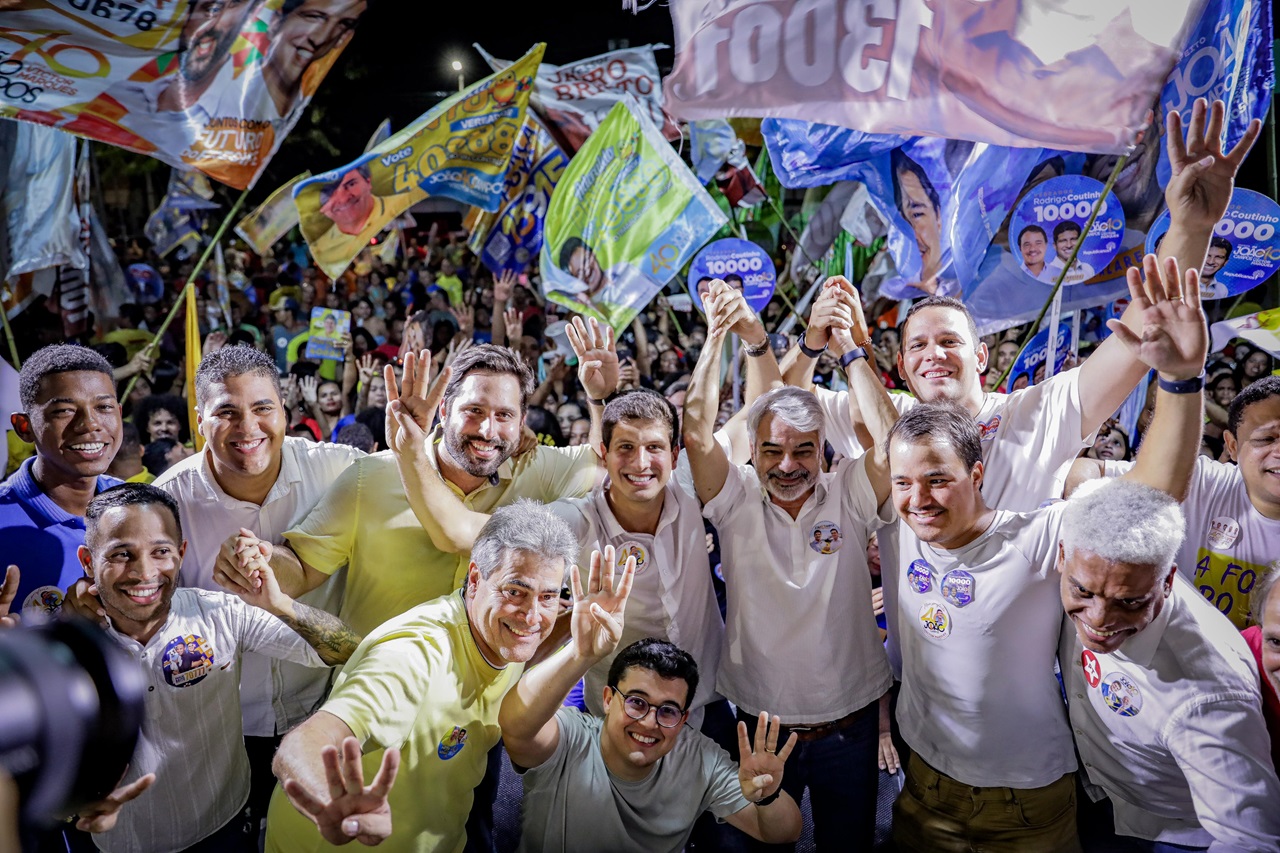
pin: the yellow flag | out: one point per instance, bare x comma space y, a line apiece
193, 361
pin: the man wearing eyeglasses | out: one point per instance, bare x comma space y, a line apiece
639, 778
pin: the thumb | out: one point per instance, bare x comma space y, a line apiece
1192, 171
762, 781
1124, 333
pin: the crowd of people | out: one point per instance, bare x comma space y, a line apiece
492, 533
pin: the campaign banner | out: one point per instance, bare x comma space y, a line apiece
461, 149
145, 284
1030, 366
329, 328
199, 85
1244, 250
272, 219
1262, 329
810, 154
626, 215
1049, 221
739, 263
1227, 56
1005, 72
572, 100
41, 224
510, 239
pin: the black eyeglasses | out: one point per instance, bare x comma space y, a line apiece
637, 708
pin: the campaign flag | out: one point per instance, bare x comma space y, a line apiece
1244, 250
381, 134
626, 215
1030, 366
461, 149
110, 287
1030, 73
809, 154
41, 224
573, 99
511, 238
1262, 329
199, 85
741, 264
221, 291
273, 219
193, 355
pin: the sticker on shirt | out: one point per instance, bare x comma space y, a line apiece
452, 743
1092, 669
825, 538
187, 660
936, 620
633, 549
1121, 694
957, 588
919, 576
45, 600
1223, 533
987, 429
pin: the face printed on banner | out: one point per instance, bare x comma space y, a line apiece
585, 268
786, 459
934, 492
208, 34
307, 31
1065, 241
1255, 447
1215, 259
1136, 187
1109, 602
351, 203
938, 360
918, 209
1032, 244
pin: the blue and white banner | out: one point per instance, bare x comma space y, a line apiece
740, 263
1244, 250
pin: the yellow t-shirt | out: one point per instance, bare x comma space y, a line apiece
144, 476
333, 250
419, 683
19, 452
364, 522
133, 340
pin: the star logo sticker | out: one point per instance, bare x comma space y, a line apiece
1092, 672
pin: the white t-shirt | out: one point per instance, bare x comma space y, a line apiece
672, 597
191, 736
979, 637
800, 638
277, 695
1170, 727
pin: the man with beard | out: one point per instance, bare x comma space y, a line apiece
800, 638
303, 34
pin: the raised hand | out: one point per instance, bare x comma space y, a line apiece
760, 767
352, 809
1174, 338
466, 318
457, 347
503, 285
733, 312
1203, 177
292, 393
412, 406
597, 357
368, 368
310, 386
512, 319
101, 816
598, 611
8, 592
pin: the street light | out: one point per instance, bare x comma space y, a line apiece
457, 66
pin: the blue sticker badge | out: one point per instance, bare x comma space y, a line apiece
452, 743
1048, 222
919, 576
1244, 250
957, 588
825, 538
187, 660
1121, 694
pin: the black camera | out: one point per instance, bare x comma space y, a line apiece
71, 706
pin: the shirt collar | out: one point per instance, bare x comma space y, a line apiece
24, 486
290, 473
612, 528
1141, 648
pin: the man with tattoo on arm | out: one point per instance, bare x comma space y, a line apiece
190, 643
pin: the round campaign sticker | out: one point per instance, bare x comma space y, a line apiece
987, 429
1244, 250
187, 660
957, 588
1223, 533
1092, 671
452, 743
935, 619
1121, 694
43, 599
1049, 221
825, 538
920, 576
740, 263
633, 549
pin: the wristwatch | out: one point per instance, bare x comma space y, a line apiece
849, 357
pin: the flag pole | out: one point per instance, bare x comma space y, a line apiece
1055, 297
8, 333
154, 343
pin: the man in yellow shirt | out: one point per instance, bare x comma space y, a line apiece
421, 695
357, 216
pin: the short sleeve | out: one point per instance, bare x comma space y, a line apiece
723, 795
563, 472
852, 480
1038, 539
575, 734
835, 413
326, 537
379, 691
1050, 411
737, 486
572, 512
263, 633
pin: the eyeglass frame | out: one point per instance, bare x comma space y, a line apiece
649, 706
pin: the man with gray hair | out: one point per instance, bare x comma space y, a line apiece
1163, 692
801, 640
425, 685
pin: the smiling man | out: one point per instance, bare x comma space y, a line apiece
977, 598
1032, 242
426, 685
356, 213
1163, 692
71, 415
303, 33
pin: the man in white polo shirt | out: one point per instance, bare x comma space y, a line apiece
978, 610
800, 637
1163, 693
